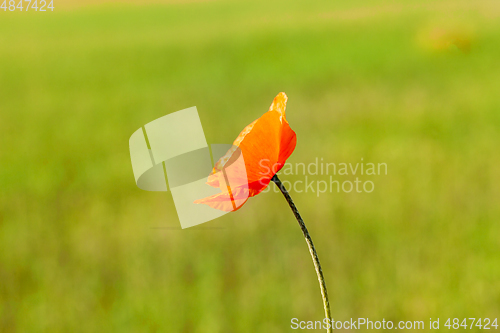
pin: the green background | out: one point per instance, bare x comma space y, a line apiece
412, 84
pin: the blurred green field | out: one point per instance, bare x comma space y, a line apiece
414, 85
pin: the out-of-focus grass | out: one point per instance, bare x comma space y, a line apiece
82, 249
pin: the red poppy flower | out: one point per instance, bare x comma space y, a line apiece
264, 146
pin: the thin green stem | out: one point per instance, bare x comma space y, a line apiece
312, 250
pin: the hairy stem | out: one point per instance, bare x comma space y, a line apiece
312, 250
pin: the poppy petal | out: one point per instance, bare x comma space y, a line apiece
265, 145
